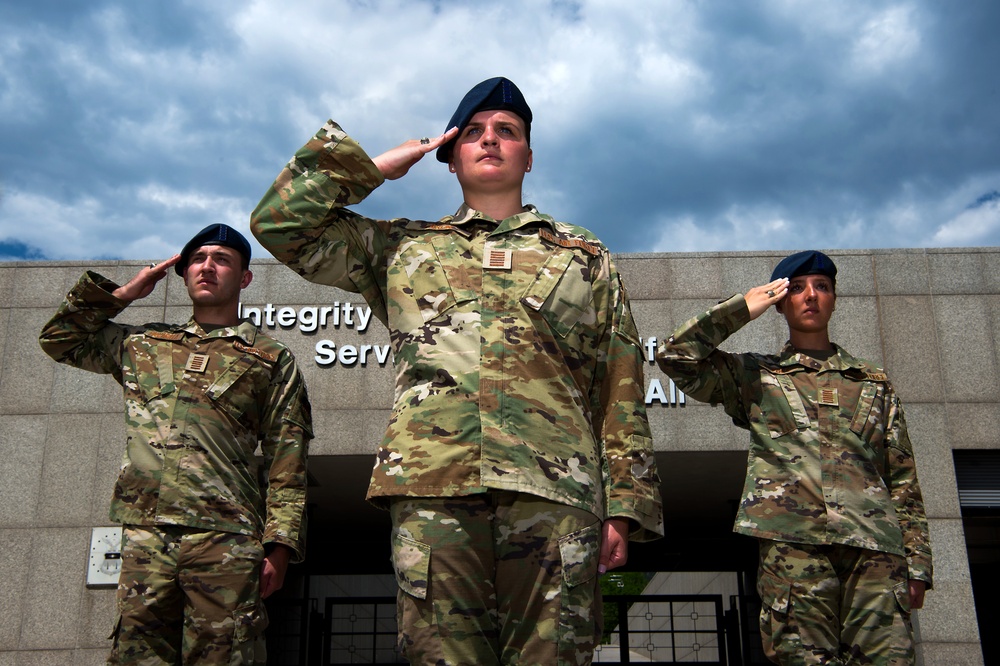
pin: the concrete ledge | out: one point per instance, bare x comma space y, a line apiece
949, 654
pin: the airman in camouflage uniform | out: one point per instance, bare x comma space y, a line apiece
203, 542
519, 422
831, 490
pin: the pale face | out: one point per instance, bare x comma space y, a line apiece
215, 276
809, 303
492, 151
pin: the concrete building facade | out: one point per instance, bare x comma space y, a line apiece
930, 317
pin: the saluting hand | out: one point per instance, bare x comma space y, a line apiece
395, 162
761, 298
145, 280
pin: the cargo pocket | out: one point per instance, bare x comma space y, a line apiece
411, 561
579, 609
776, 632
250, 621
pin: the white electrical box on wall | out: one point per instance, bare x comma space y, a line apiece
105, 557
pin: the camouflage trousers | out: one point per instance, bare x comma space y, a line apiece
833, 605
496, 578
188, 596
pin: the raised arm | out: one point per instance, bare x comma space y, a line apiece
82, 334
304, 222
691, 356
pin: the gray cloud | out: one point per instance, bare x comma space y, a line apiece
783, 124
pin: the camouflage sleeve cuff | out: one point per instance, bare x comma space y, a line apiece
645, 516
294, 539
93, 291
920, 568
732, 313
703, 333
297, 555
339, 157
647, 526
916, 574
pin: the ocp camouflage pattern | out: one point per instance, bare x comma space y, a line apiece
455, 559
833, 605
523, 376
192, 436
830, 461
189, 597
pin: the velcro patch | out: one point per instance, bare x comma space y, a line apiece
259, 353
589, 248
828, 396
197, 362
165, 335
496, 259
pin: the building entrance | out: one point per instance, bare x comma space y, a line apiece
709, 628
978, 476
694, 602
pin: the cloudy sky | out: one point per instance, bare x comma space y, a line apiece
666, 125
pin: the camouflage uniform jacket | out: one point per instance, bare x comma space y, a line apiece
196, 406
830, 461
517, 360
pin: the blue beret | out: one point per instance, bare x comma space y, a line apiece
810, 262
214, 234
494, 94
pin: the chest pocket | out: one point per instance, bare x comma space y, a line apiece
235, 391
149, 374
781, 405
560, 292
868, 421
422, 288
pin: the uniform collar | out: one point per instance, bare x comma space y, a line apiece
530, 215
841, 360
245, 331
